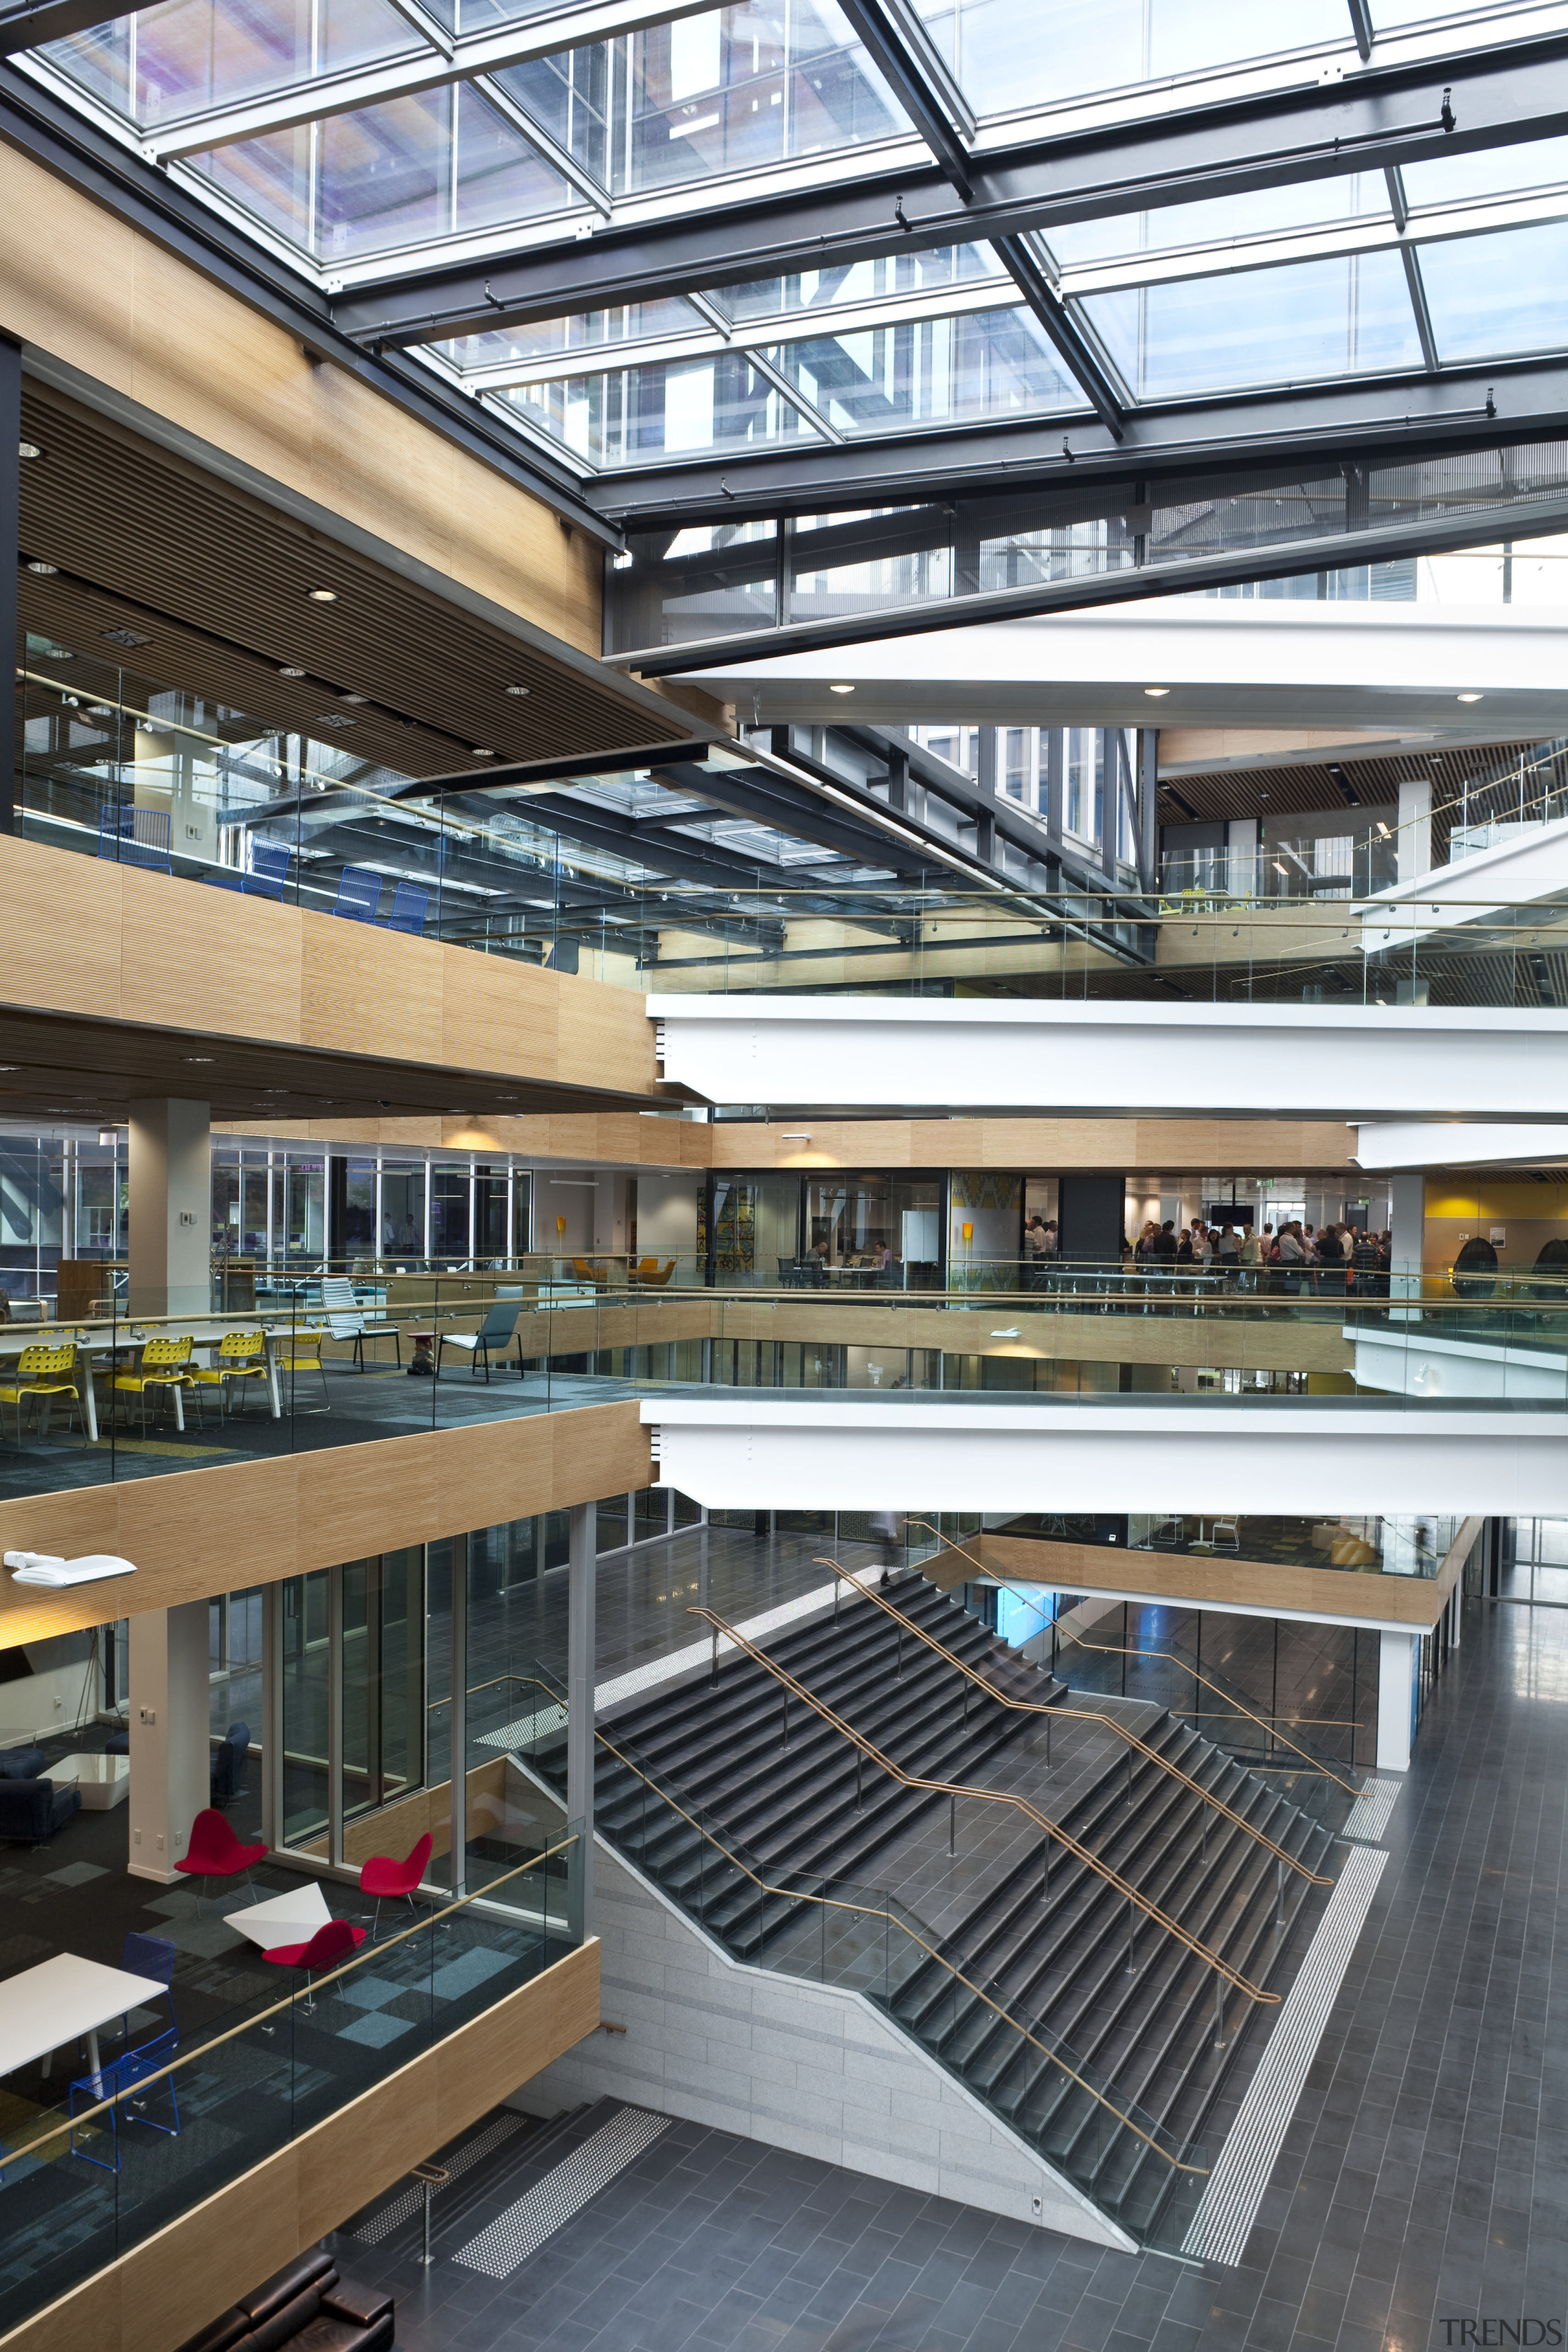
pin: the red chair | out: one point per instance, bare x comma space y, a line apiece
326, 1948
216, 1853
388, 1878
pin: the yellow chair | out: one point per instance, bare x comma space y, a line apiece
164, 1364
304, 1355
241, 1356
649, 1275
42, 1372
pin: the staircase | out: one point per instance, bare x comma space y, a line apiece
710, 1798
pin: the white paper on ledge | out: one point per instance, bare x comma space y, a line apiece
44, 1568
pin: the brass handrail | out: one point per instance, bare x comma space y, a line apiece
1078, 1715
1113, 1879
189, 2058
1268, 1724
869, 1911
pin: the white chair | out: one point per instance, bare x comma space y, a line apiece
1221, 1530
346, 1319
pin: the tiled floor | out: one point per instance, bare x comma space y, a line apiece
1422, 2180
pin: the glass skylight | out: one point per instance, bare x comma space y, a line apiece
929, 371
1341, 316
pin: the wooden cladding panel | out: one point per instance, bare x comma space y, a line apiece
1215, 1581
196, 1532
181, 2279
377, 989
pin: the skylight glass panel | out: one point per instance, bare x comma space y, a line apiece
160, 64
1344, 315
568, 95
587, 331
860, 281
1008, 57
1262, 212
929, 371
735, 90
1496, 294
1496, 171
689, 408
434, 164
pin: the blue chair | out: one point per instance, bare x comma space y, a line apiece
136, 837
150, 1956
121, 2074
495, 1331
408, 905
266, 876
228, 1774
359, 894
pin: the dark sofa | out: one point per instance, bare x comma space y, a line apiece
308, 2307
23, 1764
33, 1810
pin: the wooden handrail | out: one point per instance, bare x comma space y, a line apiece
1113, 1879
1268, 1724
215, 2041
1078, 1715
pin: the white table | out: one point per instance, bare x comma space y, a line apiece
103, 1781
290, 1918
59, 2000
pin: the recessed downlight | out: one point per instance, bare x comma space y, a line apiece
353, 698
198, 1057
840, 689
521, 693
1470, 698
1155, 692
28, 449
44, 570
323, 595
290, 669
482, 752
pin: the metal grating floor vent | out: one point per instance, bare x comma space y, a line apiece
410, 2201
505, 2243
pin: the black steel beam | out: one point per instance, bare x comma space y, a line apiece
1302, 429
1383, 115
888, 40
1105, 396
51, 20
147, 200
1380, 544
498, 774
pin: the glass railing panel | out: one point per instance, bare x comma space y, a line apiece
124, 2153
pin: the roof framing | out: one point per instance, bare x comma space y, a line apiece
1385, 116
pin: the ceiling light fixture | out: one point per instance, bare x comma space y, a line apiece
353, 698
290, 669
790, 1138
1154, 692
198, 1057
519, 693
1383, 828
622, 562
1008, 1331
28, 449
483, 752
43, 571
840, 689
1470, 698
323, 595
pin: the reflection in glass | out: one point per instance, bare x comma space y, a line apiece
1006, 56
304, 1706
632, 323
663, 409
162, 63
860, 281
734, 89
1343, 315
435, 163
1496, 293
911, 561
929, 371
1493, 172
1261, 212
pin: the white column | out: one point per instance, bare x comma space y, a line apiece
1407, 1231
170, 1750
580, 1589
171, 1208
1415, 829
1397, 1665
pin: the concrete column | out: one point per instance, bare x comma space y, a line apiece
1396, 1665
1415, 829
1408, 1230
171, 1208
581, 1575
170, 1768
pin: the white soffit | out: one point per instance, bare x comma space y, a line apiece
890, 1054
1432, 1143
1274, 664
1301, 1459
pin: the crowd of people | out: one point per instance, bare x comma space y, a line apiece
1292, 1260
